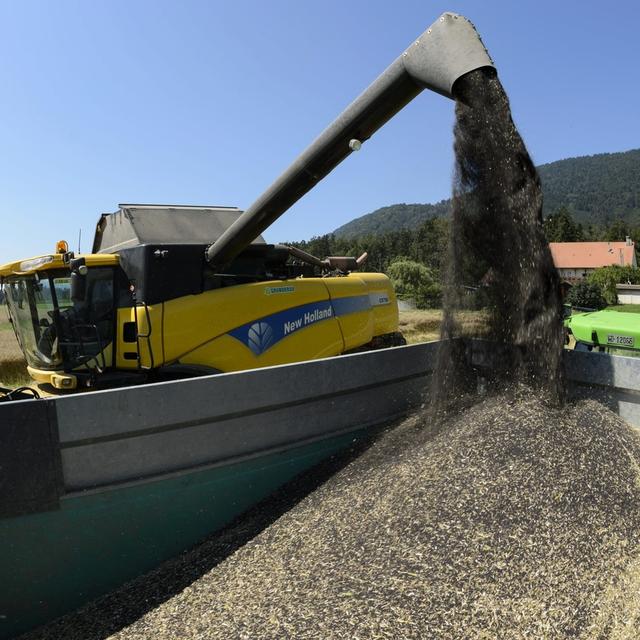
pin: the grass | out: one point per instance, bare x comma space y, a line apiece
13, 373
423, 325
630, 308
13, 368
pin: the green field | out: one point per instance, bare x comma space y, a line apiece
13, 368
423, 325
630, 308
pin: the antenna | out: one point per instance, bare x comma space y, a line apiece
79, 238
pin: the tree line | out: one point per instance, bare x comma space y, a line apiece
415, 258
561, 226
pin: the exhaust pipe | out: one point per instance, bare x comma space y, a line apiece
447, 50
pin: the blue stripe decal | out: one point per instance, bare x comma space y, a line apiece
262, 334
352, 304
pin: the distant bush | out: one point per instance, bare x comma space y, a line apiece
587, 295
606, 278
413, 280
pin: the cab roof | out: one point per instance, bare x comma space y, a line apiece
52, 261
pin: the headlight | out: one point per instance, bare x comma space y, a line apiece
34, 263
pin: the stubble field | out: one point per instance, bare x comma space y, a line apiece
13, 368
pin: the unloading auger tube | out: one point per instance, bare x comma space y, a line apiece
447, 50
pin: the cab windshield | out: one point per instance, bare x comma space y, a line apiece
53, 331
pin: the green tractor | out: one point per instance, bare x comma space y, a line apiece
608, 330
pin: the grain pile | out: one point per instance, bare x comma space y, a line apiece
514, 521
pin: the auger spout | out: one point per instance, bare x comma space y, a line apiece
447, 50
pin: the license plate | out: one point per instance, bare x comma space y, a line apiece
625, 341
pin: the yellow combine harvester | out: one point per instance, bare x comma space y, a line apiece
171, 292
146, 304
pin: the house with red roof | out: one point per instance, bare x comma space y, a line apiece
576, 260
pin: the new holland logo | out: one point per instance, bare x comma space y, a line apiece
310, 317
266, 333
260, 337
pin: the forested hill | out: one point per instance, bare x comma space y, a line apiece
597, 189
392, 218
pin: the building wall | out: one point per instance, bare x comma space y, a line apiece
629, 298
574, 275
628, 293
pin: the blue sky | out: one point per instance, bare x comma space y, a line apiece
198, 102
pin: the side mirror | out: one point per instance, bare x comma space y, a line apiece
78, 287
78, 280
